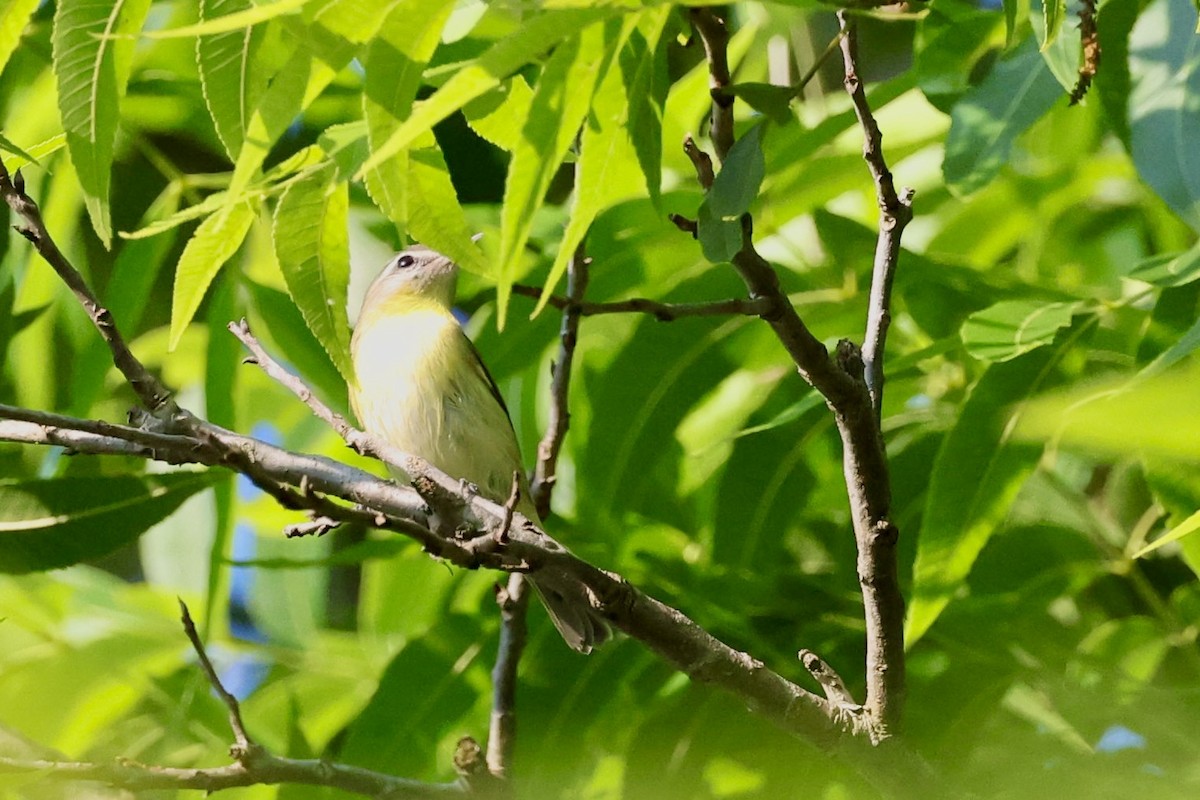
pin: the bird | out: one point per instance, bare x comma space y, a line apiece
421, 385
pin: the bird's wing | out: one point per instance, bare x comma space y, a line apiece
487, 376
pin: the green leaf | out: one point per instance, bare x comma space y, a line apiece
736, 185
14, 15
213, 243
356, 21
1164, 64
393, 67
34, 154
1062, 53
286, 330
775, 102
252, 15
643, 63
606, 171
313, 246
1188, 526
54, 523
1014, 12
984, 124
7, 146
560, 101
435, 217
1014, 327
1053, 12
499, 62
230, 78
735, 188
92, 69
976, 475
499, 115
1170, 269
1153, 414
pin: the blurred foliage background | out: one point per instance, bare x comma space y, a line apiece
1040, 412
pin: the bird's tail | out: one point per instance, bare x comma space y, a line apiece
581, 627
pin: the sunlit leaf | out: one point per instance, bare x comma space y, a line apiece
498, 63
1185, 528
233, 21
48, 524
231, 79
1014, 327
213, 243
312, 244
92, 69
974, 479
560, 101
734, 189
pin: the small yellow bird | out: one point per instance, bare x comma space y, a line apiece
422, 387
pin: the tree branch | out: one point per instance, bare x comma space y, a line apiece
253, 763
841, 380
895, 212
715, 37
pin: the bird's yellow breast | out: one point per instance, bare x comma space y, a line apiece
420, 386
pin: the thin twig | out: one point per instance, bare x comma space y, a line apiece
664, 312
895, 213
243, 746
155, 396
513, 599
715, 37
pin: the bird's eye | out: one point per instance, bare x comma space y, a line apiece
404, 262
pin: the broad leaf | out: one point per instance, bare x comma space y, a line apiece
1164, 65
231, 79
560, 101
313, 247
213, 243
734, 189
54, 523
984, 124
92, 65
976, 475
1014, 327
498, 63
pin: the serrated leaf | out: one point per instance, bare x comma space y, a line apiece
14, 16
54, 523
1164, 64
313, 247
499, 62
14, 162
1014, 327
1170, 269
235, 21
356, 21
92, 63
346, 144
560, 101
986, 121
213, 243
231, 81
606, 171
1053, 13
643, 62
9, 147
976, 475
394, 63
436, 218
499, 115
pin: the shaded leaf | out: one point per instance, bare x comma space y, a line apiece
286, 330
773, 101
1164, 65
984, 124
733, 191
53, 523
975, 477
230, 78
1014, 327
643, 63
1169, 269
92, 68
